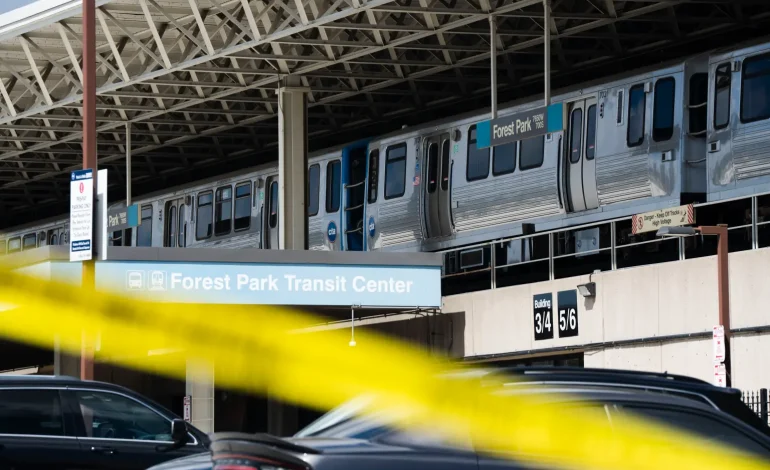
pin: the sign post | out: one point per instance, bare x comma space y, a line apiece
81, 215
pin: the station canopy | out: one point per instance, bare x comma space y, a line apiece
196, 78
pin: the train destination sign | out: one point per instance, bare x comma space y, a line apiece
520, 126
671, 217
123, 218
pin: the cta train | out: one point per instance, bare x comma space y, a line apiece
690, 131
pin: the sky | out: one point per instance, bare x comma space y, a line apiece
8, 5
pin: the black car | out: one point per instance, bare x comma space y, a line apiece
342, 440
64, 423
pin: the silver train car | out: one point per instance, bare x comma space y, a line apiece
693, 130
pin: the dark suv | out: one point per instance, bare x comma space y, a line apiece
65, 423
342, 440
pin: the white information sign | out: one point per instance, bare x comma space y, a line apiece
720, 375
719, 343
188, 408
81, 215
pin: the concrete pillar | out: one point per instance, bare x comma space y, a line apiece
65, 364
292, 208
292, 165
200, 387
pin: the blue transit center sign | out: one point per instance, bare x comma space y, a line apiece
274, 284
520, 126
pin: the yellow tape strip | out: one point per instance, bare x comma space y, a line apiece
252, 349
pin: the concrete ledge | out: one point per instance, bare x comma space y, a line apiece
225, 255
255, 255
35, 256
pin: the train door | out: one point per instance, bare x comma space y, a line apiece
354, 182
580, 155
331, 222
437, 192
175, 224
270, 215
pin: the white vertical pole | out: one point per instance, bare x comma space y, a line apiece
493, 64
547, 27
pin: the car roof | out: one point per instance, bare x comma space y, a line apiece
55, 380
585, 395
19, 380
354, 426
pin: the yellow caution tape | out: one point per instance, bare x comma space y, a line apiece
257, 349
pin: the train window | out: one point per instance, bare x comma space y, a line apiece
273, 220
591, 132
663, 109
127, 238
242, 206
171, 229
445, 165
223, 212
2, 247
722, 81
144, 231
204, 216
478, 159
395, 171
636, 114
333, 186
503, 158
29, 241
621, 93
14, 245
575, 135
53, 240
698, 102
531, 153
755, 89
374, 174
41, 239
314, 186
182, 229
432, 167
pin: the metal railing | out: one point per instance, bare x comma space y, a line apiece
562, 253
757, 401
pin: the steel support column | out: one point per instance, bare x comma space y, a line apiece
89, 156
292, 165
128, 164
493, 64
547, 43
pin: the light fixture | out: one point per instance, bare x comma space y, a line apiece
588, 289
677, 231
352, 342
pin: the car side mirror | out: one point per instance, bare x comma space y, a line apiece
179, 431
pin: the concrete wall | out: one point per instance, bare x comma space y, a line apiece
644, 303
